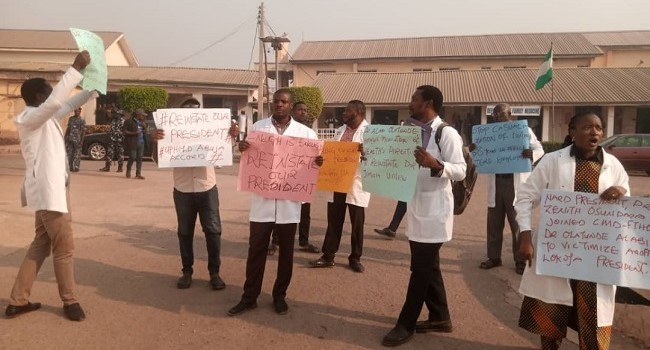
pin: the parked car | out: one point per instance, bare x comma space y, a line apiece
632, 150
95, 146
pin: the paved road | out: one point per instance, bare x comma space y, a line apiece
126, 263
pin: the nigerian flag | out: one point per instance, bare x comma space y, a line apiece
545, 72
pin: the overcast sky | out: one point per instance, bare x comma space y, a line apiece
162, 32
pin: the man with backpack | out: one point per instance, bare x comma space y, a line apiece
430, 216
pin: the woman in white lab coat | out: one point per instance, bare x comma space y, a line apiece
552, 303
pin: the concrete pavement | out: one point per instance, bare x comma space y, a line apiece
127, 262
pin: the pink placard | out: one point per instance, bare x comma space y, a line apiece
279, 167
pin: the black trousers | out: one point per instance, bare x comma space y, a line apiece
426, 286
335, 220
258, 242
206, 206
504, 197
303, 227
398, 215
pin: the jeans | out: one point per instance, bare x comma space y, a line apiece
135, 154
206, 205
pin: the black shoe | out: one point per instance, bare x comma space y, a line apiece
490, 263
241, 307
185, 281
322, 263
280, 306
106, 168
520, 267
119, 169
12, 310
74, 312
397, 336
356, 266
386, 232
433, 326
217, 283
128, 174
272, 249
139, 177
309, 248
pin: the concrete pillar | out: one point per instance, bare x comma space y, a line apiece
483, 115
546, 123
369, 115
610, 121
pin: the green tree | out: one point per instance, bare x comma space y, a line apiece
147, 98
312, 97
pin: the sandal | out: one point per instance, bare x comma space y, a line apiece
490, 263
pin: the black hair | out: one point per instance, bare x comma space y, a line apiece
191, 101
568, 140
284, 91
299, 103
360, 106
30, 88
433, 94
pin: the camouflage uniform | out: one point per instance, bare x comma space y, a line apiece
116, 148
73, 136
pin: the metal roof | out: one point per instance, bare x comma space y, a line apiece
168, 75
573, 86
47, 39
623, 38
500, 45
212, 76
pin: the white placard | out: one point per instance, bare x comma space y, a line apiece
583, 237
194, 137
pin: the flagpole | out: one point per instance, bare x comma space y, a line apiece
552, 97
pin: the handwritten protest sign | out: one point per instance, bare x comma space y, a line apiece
582, 237
341, 160
279, 167
96, 73
390, 169
194, 137
499, 146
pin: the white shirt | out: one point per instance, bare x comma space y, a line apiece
194, 179
356, 195
43, 148
430, 213
280, 211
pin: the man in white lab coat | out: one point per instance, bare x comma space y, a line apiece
45, 188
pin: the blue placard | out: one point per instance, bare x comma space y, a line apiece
499, 146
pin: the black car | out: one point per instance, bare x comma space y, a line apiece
95, 146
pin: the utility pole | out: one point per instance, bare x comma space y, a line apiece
262, 71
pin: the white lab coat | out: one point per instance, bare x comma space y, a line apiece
43, 147
280, 211
430, 213
356, 195
556, 171
518, 178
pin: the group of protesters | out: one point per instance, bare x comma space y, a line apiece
550, 303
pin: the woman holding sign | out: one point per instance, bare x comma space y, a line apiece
552, 303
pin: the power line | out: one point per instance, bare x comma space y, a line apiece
214, 43
250, 62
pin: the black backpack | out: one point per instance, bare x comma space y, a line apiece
462, 190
